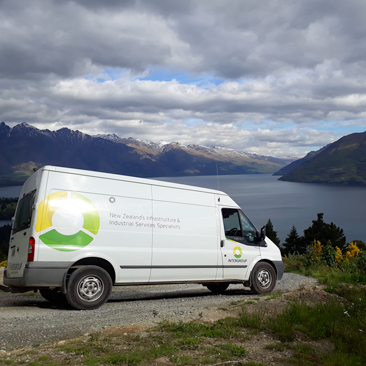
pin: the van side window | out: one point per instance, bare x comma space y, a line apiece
23, 214
237, 225
231, 222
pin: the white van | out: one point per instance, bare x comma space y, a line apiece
77, 233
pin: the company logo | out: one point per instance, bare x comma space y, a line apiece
237, 252
67, 221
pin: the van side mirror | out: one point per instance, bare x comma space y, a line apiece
263, 233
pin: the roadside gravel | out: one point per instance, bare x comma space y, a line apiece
27, 319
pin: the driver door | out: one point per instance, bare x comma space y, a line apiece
239, 244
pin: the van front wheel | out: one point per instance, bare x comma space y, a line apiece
88, 288
263, 278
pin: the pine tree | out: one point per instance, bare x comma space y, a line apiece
271, 233
325, 233
294, 243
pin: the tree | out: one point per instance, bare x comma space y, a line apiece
325, 233
271, 233
294, 243
7, 208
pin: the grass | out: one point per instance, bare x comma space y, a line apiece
275, 295
340, 321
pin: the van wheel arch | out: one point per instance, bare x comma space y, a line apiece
271, 263
248, 282
93, 261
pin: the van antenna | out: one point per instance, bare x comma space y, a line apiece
217, 175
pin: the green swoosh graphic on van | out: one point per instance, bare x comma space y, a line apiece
66, 243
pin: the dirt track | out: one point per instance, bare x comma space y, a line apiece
27, 319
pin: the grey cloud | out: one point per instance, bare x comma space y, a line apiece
98, 5
63, 39
243, 39
300, 62
168, 8
282, 35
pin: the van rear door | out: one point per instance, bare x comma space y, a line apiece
21, 245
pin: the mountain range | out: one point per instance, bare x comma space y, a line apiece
342, 162
24, 148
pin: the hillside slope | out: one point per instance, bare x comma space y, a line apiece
342, 162
295, 164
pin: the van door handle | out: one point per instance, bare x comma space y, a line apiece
222, 243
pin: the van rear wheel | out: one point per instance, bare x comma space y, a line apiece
218, 288
88, 288
263, 278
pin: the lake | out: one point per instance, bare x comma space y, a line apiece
262, 196
13, 191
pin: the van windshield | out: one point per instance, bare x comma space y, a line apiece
23, 213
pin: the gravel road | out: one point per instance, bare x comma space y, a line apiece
27, 319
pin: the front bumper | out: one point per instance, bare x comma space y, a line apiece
280, 269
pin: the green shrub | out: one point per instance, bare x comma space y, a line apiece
329, 255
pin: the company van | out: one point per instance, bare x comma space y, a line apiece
78, 233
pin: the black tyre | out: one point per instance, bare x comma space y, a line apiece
263, 278
218, 288
88, 288
54, 296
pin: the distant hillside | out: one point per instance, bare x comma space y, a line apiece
292, 166
342, 162
25, 148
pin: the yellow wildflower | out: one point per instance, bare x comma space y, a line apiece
352, 251
339, 255
317, 250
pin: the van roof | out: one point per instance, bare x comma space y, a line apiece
127, 178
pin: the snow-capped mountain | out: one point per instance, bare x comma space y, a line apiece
24, 148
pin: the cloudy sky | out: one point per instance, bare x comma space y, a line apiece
272, 77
